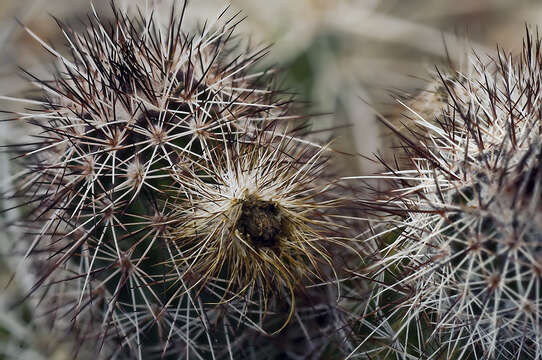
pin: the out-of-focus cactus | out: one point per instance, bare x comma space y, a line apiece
459, 251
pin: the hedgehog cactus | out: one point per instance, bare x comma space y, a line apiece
172, 210
461, 255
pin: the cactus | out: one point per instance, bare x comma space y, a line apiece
170, 199
459, 250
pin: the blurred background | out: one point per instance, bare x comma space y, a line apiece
345, 57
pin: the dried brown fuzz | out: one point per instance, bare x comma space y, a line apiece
261, 222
